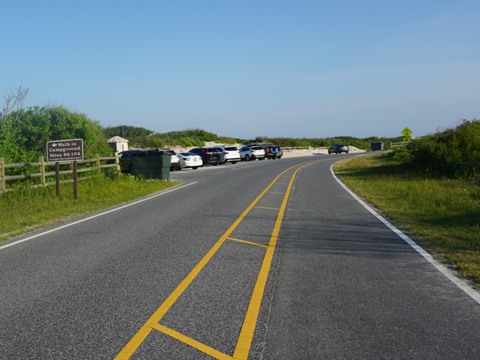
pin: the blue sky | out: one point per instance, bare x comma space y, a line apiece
249, 68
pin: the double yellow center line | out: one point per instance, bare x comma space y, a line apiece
244, 341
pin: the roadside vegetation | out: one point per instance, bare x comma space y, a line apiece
24, 133
431, 190
26, 209
143, 138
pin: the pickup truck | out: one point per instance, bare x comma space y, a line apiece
273, 152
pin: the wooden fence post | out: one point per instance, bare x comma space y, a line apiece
3, 182
42, 171
98, 162
117, 161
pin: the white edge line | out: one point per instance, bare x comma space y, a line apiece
443, 269
95, 216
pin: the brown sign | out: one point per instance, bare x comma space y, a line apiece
63, 150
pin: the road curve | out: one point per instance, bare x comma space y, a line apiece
347, 287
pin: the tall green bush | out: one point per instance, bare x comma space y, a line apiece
24, 134
451, 153
12, 147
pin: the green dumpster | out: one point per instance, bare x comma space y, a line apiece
153, 164
377, 146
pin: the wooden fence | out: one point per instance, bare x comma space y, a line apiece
399, 144
45, 170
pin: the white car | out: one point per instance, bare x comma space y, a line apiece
232, 154
191, 160
248, 153
175, 163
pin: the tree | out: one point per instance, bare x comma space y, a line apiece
24, 133
10, 138
13, 100
128, 132
57, 123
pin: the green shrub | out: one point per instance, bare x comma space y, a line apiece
452, 153
401, 154
226, 140
23, 134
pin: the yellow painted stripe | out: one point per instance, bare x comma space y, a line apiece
246, 242
244, 342
193, 343
154, 320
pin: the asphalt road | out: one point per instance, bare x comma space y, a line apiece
270, 260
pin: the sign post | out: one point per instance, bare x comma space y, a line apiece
65, 150
57, 178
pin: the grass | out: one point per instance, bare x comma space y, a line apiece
24, 210
443, 215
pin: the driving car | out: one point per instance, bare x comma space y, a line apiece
338, 149
209, 155
190, 160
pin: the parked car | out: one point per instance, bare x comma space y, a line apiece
258, 152
208, 155
338, 149
190, 160
126, 160
174, 160
222, 152
273, 152
248, 153
245, 153
231, 154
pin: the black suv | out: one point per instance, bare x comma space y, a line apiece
209, 155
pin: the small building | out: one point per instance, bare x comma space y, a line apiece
118, 144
